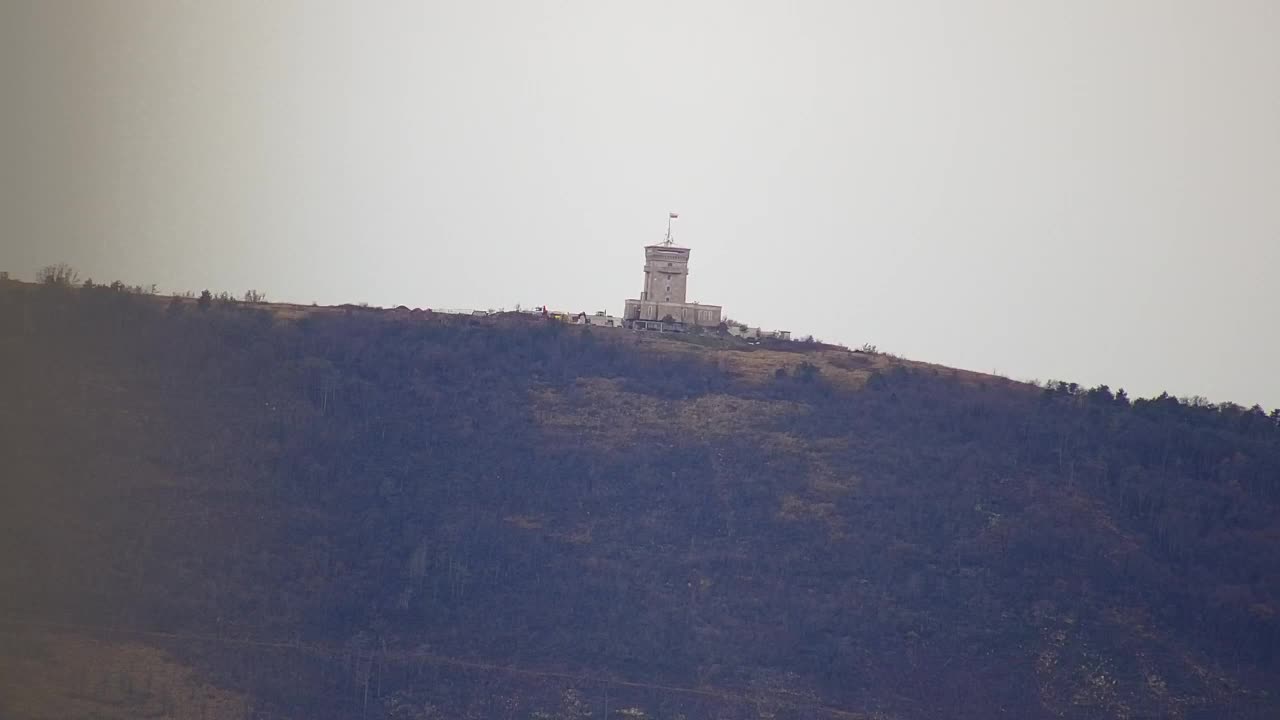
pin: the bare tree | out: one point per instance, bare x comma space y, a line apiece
253, 296
61, 274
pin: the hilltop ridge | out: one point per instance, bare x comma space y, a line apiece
325, 512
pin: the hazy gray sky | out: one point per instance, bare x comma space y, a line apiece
1084, 190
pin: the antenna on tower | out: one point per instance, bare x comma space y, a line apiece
670, 216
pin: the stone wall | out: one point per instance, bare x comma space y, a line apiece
687, 313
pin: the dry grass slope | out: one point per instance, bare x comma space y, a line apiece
51, 675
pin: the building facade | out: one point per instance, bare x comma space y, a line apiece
599, 319
754, 333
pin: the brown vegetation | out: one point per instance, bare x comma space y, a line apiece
340, 512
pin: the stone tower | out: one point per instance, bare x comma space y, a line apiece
662, 304
666, 273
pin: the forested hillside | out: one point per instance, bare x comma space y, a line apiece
233, 510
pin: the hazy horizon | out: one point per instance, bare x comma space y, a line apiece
1088, 192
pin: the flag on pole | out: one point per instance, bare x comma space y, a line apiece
674, 215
